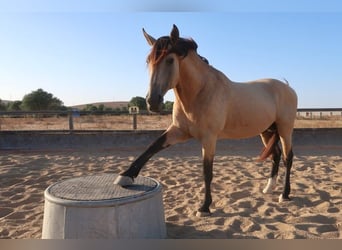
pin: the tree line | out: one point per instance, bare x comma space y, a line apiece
137, 101
40, 100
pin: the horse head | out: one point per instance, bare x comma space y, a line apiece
163, 61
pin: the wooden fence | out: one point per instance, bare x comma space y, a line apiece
11, 120
133, 119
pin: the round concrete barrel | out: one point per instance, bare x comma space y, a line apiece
93, 207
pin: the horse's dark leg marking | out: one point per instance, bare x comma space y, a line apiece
172, 136
276, 155
287, 186
208, 176
154, 148
272, 134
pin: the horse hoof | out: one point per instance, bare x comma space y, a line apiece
271, 183
123, 181
203, 214
282, 198
267, 190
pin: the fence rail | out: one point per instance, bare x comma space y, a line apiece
74, 115
10, 120
141, 112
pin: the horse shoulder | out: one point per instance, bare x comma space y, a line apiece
179, 117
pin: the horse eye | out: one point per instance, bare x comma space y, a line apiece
169, 60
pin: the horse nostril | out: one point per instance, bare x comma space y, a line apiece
154, 102
160, 98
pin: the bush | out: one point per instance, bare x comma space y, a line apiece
138, 101
41, 100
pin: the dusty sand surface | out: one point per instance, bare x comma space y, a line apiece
240, 209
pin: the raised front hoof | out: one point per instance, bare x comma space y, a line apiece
123, 181
203, 213
283, 198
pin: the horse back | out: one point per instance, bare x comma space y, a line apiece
253, 106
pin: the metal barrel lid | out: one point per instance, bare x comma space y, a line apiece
100, 190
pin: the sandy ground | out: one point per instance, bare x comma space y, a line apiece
240, 209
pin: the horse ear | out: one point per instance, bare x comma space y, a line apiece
150, 40
174, 35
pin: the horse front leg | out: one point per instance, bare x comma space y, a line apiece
208, 152
170, 137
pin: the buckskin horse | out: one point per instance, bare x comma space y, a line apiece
208, 106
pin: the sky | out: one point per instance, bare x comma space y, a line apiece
94, 51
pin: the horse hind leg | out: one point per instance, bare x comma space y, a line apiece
286, 142
287, 185
276, 155
272, 180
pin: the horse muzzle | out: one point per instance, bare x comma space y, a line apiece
154, 102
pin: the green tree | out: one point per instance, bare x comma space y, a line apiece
90, 107
168, 106
3, 106
41, 100
101, 107
93, 108
14, 106
138, 101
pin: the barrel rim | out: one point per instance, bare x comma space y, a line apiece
104, 202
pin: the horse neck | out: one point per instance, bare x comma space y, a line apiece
191, 82
197, 78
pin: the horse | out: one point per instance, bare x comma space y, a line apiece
209, 106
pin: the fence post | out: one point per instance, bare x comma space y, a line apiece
134, 110
71, 122
134, 121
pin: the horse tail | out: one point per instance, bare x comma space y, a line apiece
268, 150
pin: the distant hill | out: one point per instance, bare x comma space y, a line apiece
112, 105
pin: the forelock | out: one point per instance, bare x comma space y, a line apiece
163, 46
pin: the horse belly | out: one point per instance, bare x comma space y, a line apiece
239, 133
248, 126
